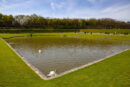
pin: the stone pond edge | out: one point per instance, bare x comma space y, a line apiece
42, 76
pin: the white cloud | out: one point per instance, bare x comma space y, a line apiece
52, 5
25, 7
2, 3
120, 12
117, 8
56, 5
7, 6
92, 1
66, 8
95, 1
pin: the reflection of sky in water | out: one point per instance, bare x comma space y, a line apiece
62, 53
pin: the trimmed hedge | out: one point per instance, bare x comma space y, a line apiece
37, 30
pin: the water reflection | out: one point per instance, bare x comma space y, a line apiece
62, 53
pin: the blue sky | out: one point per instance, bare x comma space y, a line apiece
117, 9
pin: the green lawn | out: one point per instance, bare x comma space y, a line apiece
64, 30
106, 30
94, 35
112, 72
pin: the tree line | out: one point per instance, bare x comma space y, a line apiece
35, 21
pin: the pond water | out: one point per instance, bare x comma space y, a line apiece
64, 53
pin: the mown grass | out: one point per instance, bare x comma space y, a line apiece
106, 30
79, 35
34, 30
112, 72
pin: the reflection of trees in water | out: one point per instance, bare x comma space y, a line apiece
63, 53
36, 43
58, 40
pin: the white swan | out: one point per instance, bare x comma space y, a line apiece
39, 51
52, 73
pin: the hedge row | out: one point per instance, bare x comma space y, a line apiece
37, 30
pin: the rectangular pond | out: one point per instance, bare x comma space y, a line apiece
60, 54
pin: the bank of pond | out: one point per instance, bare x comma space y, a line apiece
61, 54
